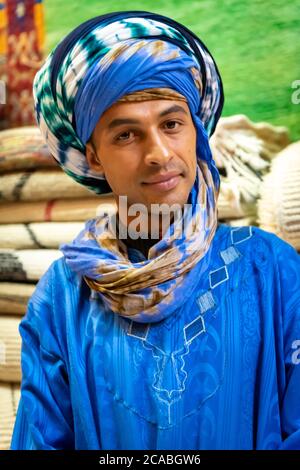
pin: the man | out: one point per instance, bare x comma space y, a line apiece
187, 340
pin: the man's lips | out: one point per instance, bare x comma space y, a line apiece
161, 178
163, 182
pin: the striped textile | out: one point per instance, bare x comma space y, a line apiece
23, 148
14, 297
9, 400
10, 348
38, 235
39, 185
55, 210
25, 265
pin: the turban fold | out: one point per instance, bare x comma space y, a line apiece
111, 56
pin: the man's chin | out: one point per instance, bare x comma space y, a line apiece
167, 199
153, 202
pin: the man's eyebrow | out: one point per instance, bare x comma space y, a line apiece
173, 109
119, 121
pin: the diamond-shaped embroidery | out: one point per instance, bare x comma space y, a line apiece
241, 234
206, 301
194, 329
218, 276
230, 254
138, 330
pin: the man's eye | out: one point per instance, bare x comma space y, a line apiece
173, 124
124, 136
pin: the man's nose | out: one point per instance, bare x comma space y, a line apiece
157, 150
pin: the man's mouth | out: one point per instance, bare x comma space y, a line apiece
163, 182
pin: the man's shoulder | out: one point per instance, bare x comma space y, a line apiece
58, 271
252, 240
56, 281
54, 300
275, 244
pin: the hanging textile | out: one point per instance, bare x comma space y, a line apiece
21, 54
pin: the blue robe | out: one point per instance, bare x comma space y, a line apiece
222, 372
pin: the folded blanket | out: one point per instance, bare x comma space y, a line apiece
56, 210
38, 235
279, 201
40, 185
25, 265
9, 400
10, 348
23, 148
14, 297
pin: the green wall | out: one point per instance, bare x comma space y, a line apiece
256, 45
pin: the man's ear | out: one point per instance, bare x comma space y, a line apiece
92, 158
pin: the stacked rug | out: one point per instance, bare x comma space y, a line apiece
13, 303
23, 148
55, 210
9, 399
40, 208
21, 53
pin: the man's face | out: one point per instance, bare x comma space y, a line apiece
146, 150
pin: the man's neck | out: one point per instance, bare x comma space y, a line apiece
141, 244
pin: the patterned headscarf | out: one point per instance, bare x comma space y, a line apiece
108, 57
102, 61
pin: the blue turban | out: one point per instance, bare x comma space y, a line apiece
108, 57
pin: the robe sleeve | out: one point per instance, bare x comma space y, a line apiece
289, 275
44, 416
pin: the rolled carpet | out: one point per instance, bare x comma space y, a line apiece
38, 235
10, 349
243, 151
279, 201
55, 210
25, 265
22, 148
9, 400
14, 297
40, 185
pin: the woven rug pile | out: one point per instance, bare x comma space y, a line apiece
21, 54
40, 208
